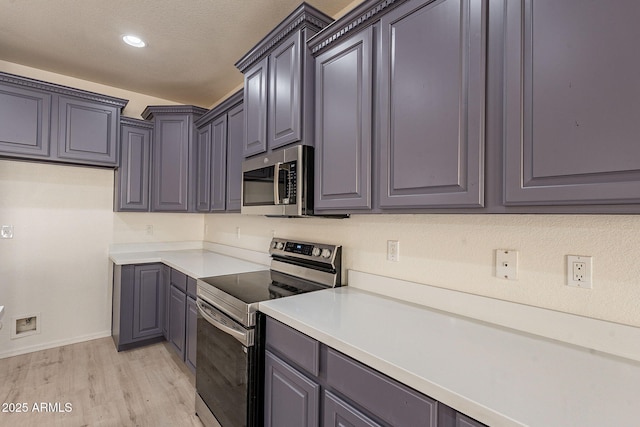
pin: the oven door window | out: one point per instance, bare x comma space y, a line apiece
258, 187
222, 374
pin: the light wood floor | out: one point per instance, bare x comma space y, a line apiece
148, 386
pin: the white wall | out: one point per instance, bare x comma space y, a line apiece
457, 252
57, 263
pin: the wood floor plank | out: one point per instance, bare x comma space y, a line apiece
148, 386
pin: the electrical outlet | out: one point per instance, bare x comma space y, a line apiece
149, 229
6, 232
507, 264
393, 250
579, 271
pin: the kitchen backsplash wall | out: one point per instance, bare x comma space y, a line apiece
457, 252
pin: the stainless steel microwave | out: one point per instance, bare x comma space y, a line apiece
279, 183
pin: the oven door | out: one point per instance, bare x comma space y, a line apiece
224, 368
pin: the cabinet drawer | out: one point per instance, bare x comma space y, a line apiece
299, 348
387, 399
179, 280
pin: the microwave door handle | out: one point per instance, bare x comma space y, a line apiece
276, 180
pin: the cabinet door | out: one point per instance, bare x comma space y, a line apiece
177, 311
285, 92
343, 125
219, 164
255, 101
291, 399
191, 334
87, 132
170, 174
431, 104
235, 140
166, 291
148, 301
572, 108
132, 177
203, 169
25, 120
338, 413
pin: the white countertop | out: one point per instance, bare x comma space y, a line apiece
497, 375
192, 262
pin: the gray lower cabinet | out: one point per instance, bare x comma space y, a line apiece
343, 96
220, 135
308, 383
291, 399
166, 289
182, 312
173, 166
138, 305
571, 105
132, 176
45, 121
278, 84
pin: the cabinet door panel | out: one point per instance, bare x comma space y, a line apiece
87, 132
338, 413
203, 169
571, 103
133, 173
235, 140
25, 121
191, 334
432, 104
147, 301
177, 311
219, 164
285, 92
171, 163
343, 124
291, 399
255, 102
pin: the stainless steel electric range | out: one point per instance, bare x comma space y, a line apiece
230, 354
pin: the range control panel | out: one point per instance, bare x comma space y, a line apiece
304, 250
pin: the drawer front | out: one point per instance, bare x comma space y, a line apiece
192, 287
385, 398
298, 348
179, 280
338, 413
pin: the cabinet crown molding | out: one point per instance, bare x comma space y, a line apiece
305, 16
221, 108
153, 110
62, 90
361, 17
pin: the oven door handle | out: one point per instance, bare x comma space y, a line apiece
217, 319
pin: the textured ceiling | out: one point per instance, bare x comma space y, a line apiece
191, 44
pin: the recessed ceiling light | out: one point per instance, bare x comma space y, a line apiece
133, 41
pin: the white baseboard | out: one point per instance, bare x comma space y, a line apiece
54, 344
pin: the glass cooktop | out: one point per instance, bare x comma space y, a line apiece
263, 285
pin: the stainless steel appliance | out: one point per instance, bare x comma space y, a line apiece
279, 183
230, 355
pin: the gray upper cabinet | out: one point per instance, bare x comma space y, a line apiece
343, 98
285, 92
45, 121
220, 135
132, 177
235, 139
431, 104
278, 73
219, 163
571, 103
173, 167
87, 131
25, 121
255, 100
